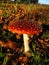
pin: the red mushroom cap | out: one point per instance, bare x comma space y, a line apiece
25, 27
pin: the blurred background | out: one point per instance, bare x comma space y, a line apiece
27, 1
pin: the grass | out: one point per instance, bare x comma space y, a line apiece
39, 58
3, 55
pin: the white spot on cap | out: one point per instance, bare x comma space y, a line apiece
35, 31
18, 28
23, 30
31, 28
20, 25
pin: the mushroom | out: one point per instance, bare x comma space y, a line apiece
26, 28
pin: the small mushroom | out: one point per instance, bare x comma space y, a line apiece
26, 28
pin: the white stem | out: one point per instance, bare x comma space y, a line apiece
26, 42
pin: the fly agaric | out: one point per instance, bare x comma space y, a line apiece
25, 27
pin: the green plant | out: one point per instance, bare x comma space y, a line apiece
5, 34
0, 52
5, 59
46, 35
3, 55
